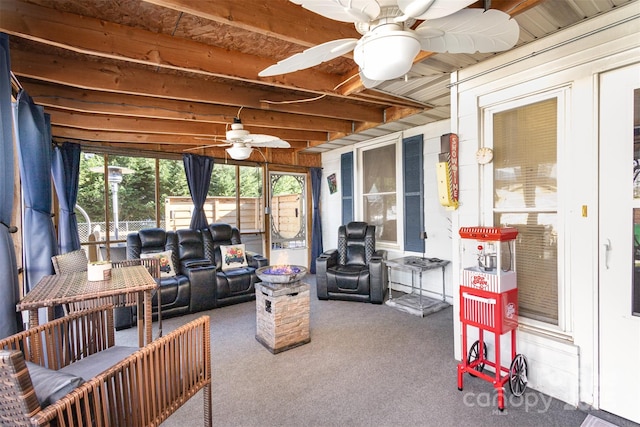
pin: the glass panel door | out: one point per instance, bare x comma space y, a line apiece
619, 259
288, 230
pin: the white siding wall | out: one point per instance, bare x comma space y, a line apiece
563, 363
437, 219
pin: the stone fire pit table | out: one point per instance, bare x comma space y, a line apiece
282, 307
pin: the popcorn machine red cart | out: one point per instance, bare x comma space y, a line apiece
489, 301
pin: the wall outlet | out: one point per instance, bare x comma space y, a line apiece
423, 234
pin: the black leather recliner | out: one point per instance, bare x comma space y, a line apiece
199, 282
191, 284
236, 285
355, 271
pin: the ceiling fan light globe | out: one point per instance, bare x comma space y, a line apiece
386, 55
239, 152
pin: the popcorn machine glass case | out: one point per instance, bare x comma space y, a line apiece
489, 302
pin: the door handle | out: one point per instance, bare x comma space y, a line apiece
607, 249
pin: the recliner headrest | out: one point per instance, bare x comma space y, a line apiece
152, 237
220, 231
188, 236
356, 230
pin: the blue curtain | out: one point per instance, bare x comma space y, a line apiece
65, 169
316, 228
33, 132
9, 285
198, 170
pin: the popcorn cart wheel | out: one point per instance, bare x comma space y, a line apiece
474, 354
518, 375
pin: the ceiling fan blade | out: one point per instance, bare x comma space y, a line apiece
310, 57
343, 10
259, 140
202, 147
431, 9
469, 31
220, 140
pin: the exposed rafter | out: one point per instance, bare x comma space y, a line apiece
165, 74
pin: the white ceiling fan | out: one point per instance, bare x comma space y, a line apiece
389, 44
241, 142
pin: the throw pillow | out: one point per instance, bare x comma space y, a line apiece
166, 265
233, 256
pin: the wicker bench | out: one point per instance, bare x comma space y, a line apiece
141, 389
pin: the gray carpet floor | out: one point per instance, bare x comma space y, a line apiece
366, 365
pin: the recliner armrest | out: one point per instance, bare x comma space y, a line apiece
202, 287
330, 256
256, 260
380, 254
378, 276
193, 263
326, 260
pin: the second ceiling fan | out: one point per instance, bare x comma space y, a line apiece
241, 142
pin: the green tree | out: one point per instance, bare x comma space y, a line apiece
173, 181
250, 181
286, 184
91, 187
136, 193
223, 181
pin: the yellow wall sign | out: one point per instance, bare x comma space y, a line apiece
447, 171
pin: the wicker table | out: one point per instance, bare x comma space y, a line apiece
69, 288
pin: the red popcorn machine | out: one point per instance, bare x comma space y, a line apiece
489, 302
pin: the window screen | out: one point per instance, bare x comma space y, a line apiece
525, 197
379, 191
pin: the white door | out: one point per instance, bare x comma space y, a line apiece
289, 236
619, 284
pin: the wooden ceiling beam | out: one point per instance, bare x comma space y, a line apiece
110, 40
171, 144
108, 103
91, 121
274, 18
512, 7
124, 78
119, 42
107, 136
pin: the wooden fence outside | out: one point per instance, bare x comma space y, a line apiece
177, 211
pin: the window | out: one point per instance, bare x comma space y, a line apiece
128, 202
174, 197
144, 192
379, 189
221, 200
390, 184
525, 196
251, 199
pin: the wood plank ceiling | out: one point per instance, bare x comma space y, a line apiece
170, 75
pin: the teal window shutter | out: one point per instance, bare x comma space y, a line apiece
413, 182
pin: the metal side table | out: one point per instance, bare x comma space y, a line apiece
415, 302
